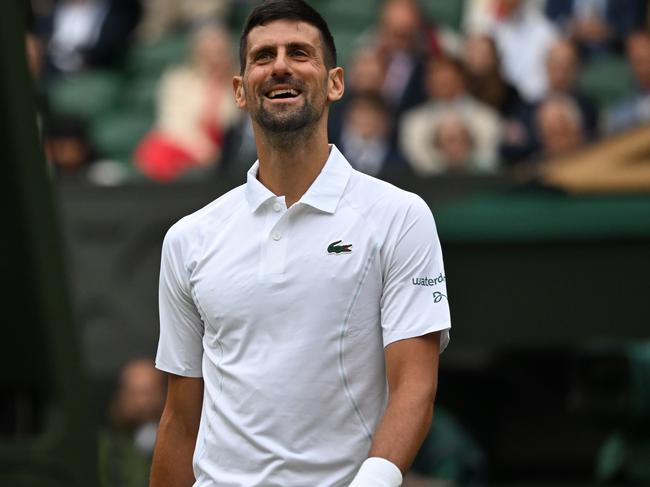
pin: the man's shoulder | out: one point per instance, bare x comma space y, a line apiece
389, 213
373, 196
210, 216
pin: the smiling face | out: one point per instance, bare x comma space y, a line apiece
286, 85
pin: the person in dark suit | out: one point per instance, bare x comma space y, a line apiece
365, 136
562, 69
87, 34
598, 26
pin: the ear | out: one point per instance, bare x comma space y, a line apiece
335, 84
238, 90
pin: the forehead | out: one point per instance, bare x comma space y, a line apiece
283, 32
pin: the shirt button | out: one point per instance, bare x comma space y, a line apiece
276, 236
277, 206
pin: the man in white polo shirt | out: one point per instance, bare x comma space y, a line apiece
301, 314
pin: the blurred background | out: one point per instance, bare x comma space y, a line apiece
524, 124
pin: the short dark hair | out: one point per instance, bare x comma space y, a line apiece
298, 10
370, 98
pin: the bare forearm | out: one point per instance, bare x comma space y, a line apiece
403, 428
172, 459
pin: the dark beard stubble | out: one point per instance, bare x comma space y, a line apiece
288, 126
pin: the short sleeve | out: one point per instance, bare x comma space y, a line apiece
414, 297
180, 346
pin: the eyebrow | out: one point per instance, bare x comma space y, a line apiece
290, 46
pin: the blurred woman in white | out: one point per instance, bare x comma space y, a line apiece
195, 110
452, 106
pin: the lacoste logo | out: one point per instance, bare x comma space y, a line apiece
335, 248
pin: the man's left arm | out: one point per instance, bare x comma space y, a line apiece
415, 322
412, 372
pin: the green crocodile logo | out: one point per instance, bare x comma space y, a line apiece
335, 248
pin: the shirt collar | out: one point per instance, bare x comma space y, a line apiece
324, 194
256, 193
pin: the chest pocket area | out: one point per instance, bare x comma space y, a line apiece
343, 284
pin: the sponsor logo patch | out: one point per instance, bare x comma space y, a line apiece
428, 281
437, 297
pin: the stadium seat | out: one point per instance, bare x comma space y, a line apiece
343, 15
87, 94
445, 13
607, 80
140, 94
117, 133
152, 59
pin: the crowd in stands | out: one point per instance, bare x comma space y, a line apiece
127, 441
140, 90
507, 86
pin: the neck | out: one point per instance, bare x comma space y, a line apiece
290, 163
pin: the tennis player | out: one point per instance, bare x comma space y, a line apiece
301, 314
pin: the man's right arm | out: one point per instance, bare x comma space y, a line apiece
179, 425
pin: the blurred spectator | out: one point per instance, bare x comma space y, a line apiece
451, 148
195, 112
162, 17
560, 126
481, 16
484, 78
636, 109
72, 157
487, 84
85, 34
454, 144
523, 36
467, 123
68, 148
562, 68
403, 47
364, 75
34, 51
598, 26
446, 81
127, 446
365, 135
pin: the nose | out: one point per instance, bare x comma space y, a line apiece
281, 65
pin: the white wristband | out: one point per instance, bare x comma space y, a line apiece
377, 472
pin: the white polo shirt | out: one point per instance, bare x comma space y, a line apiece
285, 314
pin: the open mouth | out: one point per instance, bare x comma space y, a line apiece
282, 94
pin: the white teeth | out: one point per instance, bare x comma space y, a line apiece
275, 93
